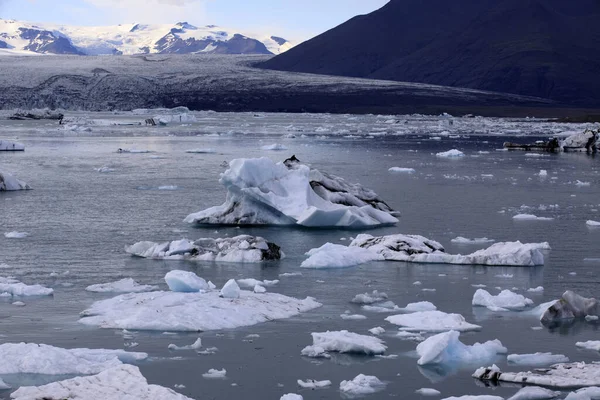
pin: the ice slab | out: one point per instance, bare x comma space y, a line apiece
185, 282
504, 301
589, 345
446, 348
338, 256
8, 145
346, 342
10, 183
431, 321
127, 285
564, 375
534, 393
12, 287
428, 392
536, 359
120, 382
242, 249
262, 192
172, 311
361, 385
32, 358
16, 235
454, 153
530, 217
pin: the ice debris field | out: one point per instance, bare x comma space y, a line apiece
170, 254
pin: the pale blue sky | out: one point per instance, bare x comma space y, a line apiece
293, 19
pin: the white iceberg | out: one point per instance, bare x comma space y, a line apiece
201, 151
346, 342
338, 256
451, 154
173, 311
185, 282
369, 298
564, 375
12, 287
215, 374
589, 345
431, 321
418, 306
242, 249
570, 306
361, 385
251, 283
592, 223
291, 396
463, 240
262, 192
126, 285
10, 183
32, 358
274, 147
376, 331
446, 348
7, 145
428, 392
534, 393
399, 170
536, 359
16, 235
504, 301
313, 384
120, 382
230, 290
530, 217
194, 346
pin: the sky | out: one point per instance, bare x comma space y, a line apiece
292, 19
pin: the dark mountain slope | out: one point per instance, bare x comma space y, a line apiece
544, 48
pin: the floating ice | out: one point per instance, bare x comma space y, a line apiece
31, 358
133, 151
480, 397
274, 146
251, 283
126, 285
120, 382
581, 184
530, 217
352, 317
567, 375
538, 289
230, 290
201, 151
7, 145
536, 359
377, 330
346, 342
242, 249
215, 374
505, 301
431, 321
369, 298
588, 393
10, 183
569, 306
12, 287
419, 306
446, 348
589, 345
383, 307
261, 192
428, 392
16, 235
338, 256
543, 173
451, 154
534, 393
194, 346
313, 384
105, 169
185, 281
592, 223
361, 385
463, 240
399, 170
291, 396
172, 311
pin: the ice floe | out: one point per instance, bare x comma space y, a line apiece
534, 393
504, 301
399, 170
185, 282
451, 154
588, 393
16, 235
10, 183
446, 348
12, 287
564, 375
215, 374
361, 385
32, 358
377, 330
119, 382
369, 298
338, 256
194, 346
589, 345
242, 248
536, 359
428, 392
173, 311
262, 192
431, 321
463, 240
570, 306
592, 223
313, 384
530, 217
344, 342
251, 283
127, 285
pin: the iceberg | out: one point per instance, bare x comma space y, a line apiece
7, 145
400, 170
505, 301
291, 396
446, 348
592, 223
463, 240
313, 384
12, 287
361, 385
338, 256
530, 217
10, 183
432, 321
32, 358
230, 290
242, 249
570, 306
451, 154
536, 359
215, 374
369, 298
345, 342
563, 375
262, 192
589, 345
119, 382
192, 312
185, 282
428, 392
16, 235
126, 285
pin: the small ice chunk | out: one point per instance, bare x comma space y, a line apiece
215, 374
454, 153
351, 317
581, 184
259, 289
399, 170
230, 290
348, 342
543, 173
428, 392
250, 283
291, 396
369, 298
432, 321
480, 397
16, 235
361, 385
505, 301
589, 345
588, 223
126, 285
377, 330
185, 282
313, 384
419, 306
538, 289
194, 346
530, 217
536, 359
315, 352
591, 318
446, 348
274, 146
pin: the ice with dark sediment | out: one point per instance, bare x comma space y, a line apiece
562, 375
570, 306
10, 183
262, 192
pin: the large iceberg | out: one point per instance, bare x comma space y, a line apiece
120, 382
174, 311
242, 248
570, 306
564, 375
7, 145
32, 358
504, 301
9, 183
262, 192
431, 321
446, 348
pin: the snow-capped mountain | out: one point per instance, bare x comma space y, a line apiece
18, 37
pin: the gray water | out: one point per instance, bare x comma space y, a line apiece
80, 220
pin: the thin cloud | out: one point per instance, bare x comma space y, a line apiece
149, 11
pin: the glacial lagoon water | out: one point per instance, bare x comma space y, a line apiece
80, 220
